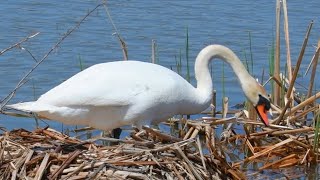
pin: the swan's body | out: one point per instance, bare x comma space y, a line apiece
109, 95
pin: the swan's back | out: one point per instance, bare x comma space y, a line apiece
115, 83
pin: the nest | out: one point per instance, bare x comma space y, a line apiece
150, 154
48, 154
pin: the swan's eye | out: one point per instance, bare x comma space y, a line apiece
267, 105
265, 102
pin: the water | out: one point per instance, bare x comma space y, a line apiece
223, 22
139, 22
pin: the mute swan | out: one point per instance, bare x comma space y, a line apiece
109, 95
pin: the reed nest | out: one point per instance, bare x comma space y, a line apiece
194, 153
48, 154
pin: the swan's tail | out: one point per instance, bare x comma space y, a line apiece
32, 106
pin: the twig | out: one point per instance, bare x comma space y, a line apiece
18, 43
71, 157
21, 82
163, 137
265, 151
61, 137
79, 168
148, 144
34, 58
201, 153
250, 121
121, 41
94, 174
194, 171
214, 102
299, 106
278, 161
42, 167
222, 121
23, 169
304, 113
296, 98
187, 136
280, 117
314, 62
314, 58
293, 131
195, 132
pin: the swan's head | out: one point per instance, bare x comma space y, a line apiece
260, 100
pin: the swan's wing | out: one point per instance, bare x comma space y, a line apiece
112, 84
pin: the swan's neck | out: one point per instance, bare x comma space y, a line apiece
202, 74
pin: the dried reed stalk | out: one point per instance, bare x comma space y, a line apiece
296, 69
71, 157
286, 32
123, 44
187, 136
277, 163
214, 102
280, 118
276, 75
42, 167
314, 63
19, 43
264, 152
303, 104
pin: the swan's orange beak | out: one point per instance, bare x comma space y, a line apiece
262, 112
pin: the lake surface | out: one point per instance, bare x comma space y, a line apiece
140, 22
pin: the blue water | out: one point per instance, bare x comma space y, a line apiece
139, 22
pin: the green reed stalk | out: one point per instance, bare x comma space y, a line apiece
177, 64
187, 54
246, 60
80, 62
251, 54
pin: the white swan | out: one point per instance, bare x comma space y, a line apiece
109, 95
